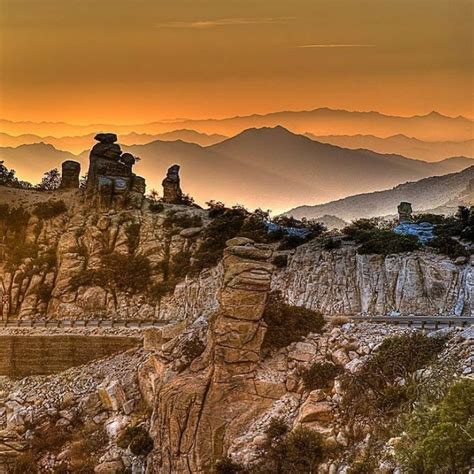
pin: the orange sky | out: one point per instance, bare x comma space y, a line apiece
125, 61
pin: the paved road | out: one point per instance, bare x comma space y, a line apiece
415, 321
70, 323
419, 321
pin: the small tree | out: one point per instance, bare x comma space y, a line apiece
51, 180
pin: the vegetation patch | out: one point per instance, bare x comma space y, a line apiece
386, 382
130, 273
440, 438
137, 439
49, 209
320, 375
298, 451
287, 324
375, 237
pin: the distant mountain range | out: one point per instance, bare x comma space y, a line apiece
269, 168
401, 145
322, 121
440, 194
78, 144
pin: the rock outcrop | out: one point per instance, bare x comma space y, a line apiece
209, 404
172, 193
70, 174
342, 282
110, 180
404, 212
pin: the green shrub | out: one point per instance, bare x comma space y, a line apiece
129, 273
385, 242
228, 466
44, 292
137, 439
298, 452
222, 228
287, 324
280, 261
133, 236
182, 220
435, 219
448, 246
276, 429
332, 244
159, 290
440, 438
375, 390
49, 209
156, 207
320, 375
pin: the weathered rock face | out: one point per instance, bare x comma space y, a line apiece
72, 244
110, 181
218, 393
70, 174
404, 212
172, 193
341, 282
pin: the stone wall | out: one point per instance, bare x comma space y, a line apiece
21, 356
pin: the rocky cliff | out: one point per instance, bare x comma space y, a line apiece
341, 282
53, 267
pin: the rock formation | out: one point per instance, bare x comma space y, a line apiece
70, 174
172, 193
110, 180
404, 212
219, 393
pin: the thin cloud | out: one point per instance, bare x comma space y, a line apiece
336, 46
224, 22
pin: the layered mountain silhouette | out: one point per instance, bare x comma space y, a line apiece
440, 194
269, 167
401, 145
77, 144
322, 121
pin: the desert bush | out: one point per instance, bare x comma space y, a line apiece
180, 265
228, 466
287, 324
448, 246
129, 273
49, 209
280, 261
375, 390
182, 220
435, 219
385, 242
51, 181
320, 375
159, 290
132, 232
375, 237
222, 228
216, 208
44, 292
137, 439
440, 438
297, 452
156, 207
332, 244
276, 429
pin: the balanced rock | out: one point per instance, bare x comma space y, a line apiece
110, 181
